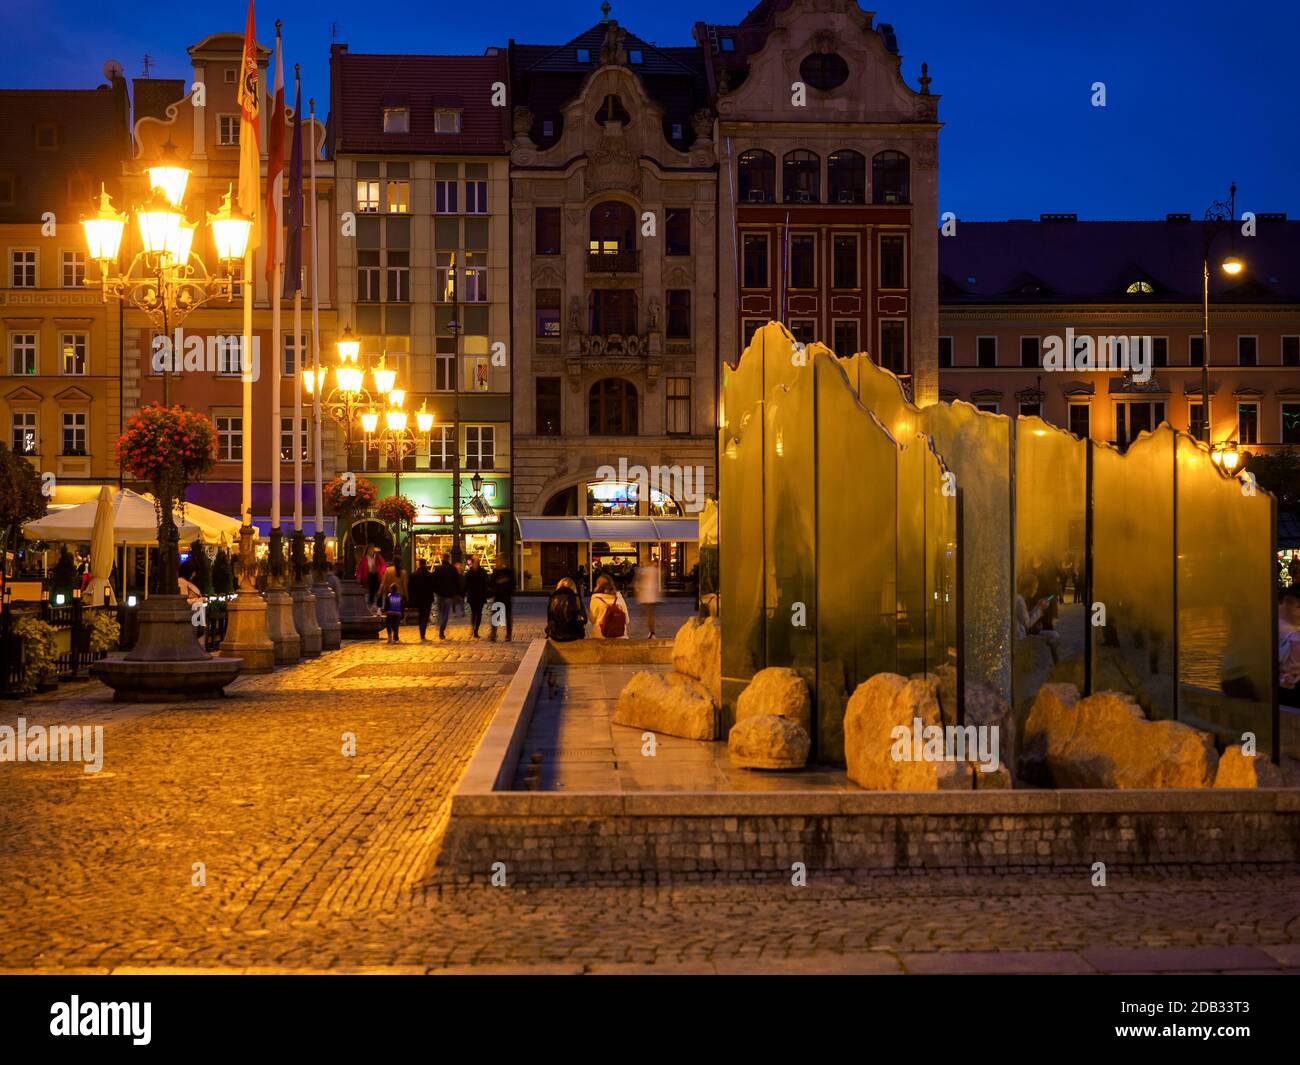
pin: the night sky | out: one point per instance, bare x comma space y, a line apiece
1199, 94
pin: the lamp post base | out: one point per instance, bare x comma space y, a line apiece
355, 618
281, 628
304, 620
246, 636
327, 616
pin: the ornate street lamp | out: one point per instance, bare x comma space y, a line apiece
166, 279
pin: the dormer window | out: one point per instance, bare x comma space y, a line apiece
1140, 288
397, 120
728, 44
584, 55
446, 121
677, 131
635, 55
548, 128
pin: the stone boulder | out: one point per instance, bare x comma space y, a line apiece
778, 691
984, 708
669, 703
1105, 741
1239, 770
876, 759
697, 653
768, 741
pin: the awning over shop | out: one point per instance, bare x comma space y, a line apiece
636, 530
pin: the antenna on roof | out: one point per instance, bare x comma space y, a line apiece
604, 10
148, 62
334, 32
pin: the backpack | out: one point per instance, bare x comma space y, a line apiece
613, 623
394, 602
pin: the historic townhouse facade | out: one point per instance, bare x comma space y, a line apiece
1007, 287
60, 391
419, 145
828, 185
613, 222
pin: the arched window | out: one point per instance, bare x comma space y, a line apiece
562, 504
846, 177
611, 408
757, 176
891, 180
801, 177
612, 110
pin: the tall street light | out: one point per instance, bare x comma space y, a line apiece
1232, 266
166, 279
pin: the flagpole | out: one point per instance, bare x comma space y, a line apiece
315, 343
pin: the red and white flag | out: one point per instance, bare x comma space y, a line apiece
275, 168
249, 149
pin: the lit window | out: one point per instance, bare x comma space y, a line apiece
1140, 288
367, 197
23, 436
73, 346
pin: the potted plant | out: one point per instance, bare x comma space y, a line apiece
398, 513
40, 653
350, 496
105, 632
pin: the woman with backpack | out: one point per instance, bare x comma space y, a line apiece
609, 616
565, 619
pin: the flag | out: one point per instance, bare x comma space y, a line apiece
249, 157
275, 167
293, 243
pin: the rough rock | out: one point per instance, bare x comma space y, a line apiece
697, 653
1239, 770
768, 741
778, 691
879, 706
1105, 741
670, 703
984, 707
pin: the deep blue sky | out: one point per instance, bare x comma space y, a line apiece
1199, 93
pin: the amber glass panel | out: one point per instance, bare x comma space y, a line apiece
789, 516
856, 628
882, 393
1226, 603
1133, 571
941, 564
913, 463
977, 448
740, 507
1051, 544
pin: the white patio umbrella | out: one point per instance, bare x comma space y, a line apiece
135, 522
100, 592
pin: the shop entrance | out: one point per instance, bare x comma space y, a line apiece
558, 561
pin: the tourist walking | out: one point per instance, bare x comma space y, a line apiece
446, 586
394, 604
502, 588
608, 611
565, 619
370, 571
476, 593
421, 595
647, 594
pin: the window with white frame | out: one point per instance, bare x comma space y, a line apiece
22, 354
679, 405
73, 347
446, 120
398, 276
480, 447
1247, 422
442, 447
444, 277
22, 267
23, 438
291, 353
229, 349
397, 120
367, 196
444, 373
287, 439
73, 272
399, 196
74, 432
228, 131
476, 289
476, 201
367, 276
230, 437
445, 196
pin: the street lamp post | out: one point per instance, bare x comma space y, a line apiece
1232, 266
396, 440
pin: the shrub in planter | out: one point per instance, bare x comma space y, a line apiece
40, 652
105, 632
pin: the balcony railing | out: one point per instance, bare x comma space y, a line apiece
616, 344
613, 262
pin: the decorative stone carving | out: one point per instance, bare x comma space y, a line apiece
575, 314
612, 165
702, 123
652, 313
613, 51
523, 123
824, 41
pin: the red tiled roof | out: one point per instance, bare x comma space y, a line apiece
92, 140
363, 85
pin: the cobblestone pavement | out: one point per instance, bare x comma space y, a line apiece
316, 860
